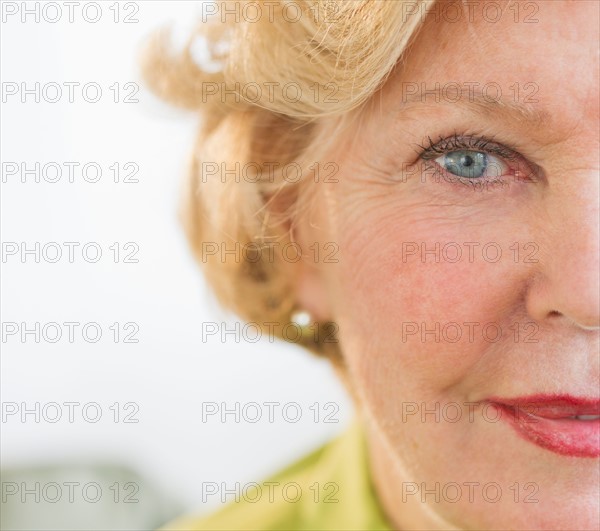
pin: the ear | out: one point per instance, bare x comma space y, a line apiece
313, 270
311, 291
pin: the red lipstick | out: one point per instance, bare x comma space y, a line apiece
563, 424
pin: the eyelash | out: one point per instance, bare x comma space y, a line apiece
433, 150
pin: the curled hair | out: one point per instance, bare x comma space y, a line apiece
335, 55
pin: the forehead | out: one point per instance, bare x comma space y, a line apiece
542, 54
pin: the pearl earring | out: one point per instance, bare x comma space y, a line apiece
301, 318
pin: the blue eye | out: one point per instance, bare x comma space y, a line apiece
468, 164
473, 161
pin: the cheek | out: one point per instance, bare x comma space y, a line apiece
385, 289
426, 303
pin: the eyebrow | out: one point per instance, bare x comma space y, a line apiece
474, 100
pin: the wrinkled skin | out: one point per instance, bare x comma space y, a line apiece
544, 300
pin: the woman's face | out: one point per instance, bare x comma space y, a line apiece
467, 295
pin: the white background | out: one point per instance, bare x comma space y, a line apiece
170, 372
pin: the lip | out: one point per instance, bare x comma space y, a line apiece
544, 420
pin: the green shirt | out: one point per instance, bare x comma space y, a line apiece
336, 493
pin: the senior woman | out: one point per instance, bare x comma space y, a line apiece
448, 154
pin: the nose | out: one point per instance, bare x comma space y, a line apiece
566, 286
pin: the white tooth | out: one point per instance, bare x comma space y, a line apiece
587, 417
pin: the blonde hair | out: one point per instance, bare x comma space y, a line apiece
335, 54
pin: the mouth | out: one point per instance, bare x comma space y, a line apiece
564, 424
